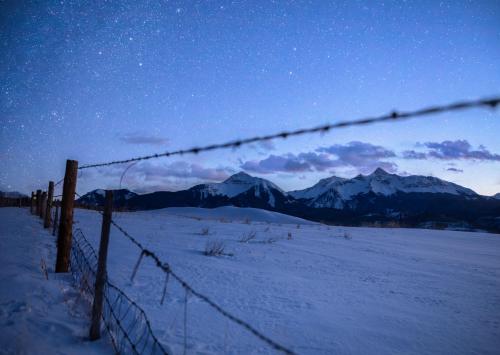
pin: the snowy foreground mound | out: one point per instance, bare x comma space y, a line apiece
326, 290
231, 214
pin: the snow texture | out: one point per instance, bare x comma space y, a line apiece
326, 290
38, 316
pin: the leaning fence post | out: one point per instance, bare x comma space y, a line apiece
100, 278
43, 205
38, 198
48, 216
56, 219
32, 205
66, 221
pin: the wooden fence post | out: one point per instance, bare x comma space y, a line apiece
38, 198
32, 205
43, 205
66, 222
56, 218
48, 208
100, 278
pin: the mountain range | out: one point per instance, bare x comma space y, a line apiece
380, 198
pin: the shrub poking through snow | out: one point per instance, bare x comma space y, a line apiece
267, 229
298, 226
289, 237
347, 235
248, 236
246, 221
215, 248
205, 231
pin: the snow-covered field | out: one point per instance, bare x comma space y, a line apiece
37, 316
325, 290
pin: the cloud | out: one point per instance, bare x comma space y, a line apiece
181, 169
455, 170
143, 139
363, 157
146, 176
459, 149
357, 151
277, 163
411, 154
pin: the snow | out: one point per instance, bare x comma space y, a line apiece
239, 183
230, 213
37, 316
334, 191
327, 290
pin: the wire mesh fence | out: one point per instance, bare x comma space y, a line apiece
124, 321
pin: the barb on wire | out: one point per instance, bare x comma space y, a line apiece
168, 270
393, 116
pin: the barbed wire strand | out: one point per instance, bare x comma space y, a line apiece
167, 269
392, 116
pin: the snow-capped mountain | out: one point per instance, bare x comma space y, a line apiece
336, 192
241, 183
376, 198
96, 197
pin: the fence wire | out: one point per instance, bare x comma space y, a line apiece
125, 322
392, 116
165, 267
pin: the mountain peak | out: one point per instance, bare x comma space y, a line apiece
240, 176
379, 171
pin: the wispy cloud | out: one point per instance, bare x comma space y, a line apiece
455, 170
143, 139
459, 149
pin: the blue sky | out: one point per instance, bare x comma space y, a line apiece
103, 81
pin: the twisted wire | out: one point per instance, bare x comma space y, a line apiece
392, 116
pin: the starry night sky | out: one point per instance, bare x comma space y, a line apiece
98, 81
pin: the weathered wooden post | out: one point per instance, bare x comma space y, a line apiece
100, 278
38, 199
43, 204
66, 222
56, 218
48, 208
32, 205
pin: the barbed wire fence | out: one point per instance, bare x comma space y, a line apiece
124, 320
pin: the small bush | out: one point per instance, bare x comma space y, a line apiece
246, 221
289, 237
248, 237
215, 248
205, 231
347, 236
298, 226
